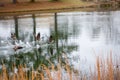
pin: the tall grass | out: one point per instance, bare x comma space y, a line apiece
105, 70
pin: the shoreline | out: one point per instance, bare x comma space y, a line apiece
41, 7
48, 7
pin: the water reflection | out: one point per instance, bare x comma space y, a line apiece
95, 33
83, 34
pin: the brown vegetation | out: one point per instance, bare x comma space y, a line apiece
105, 70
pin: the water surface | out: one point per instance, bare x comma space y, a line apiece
82, 35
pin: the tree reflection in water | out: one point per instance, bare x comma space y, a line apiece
74, 30
44, 52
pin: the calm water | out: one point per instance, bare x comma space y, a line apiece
86, 34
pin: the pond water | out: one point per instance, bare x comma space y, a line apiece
81, 35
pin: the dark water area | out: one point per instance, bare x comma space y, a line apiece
81, 35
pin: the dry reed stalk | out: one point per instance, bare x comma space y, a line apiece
68, 70
84, 78
66, 60
75, 76
0, 76
32, 72
91, 74
20, 72
52, 65
66, 66
95, 74
98, 68
116, 71
59, 72
108, 68
111, 77
14, 76
117, 75
25, 72
4, 73
42, 76
47, 71
17, 76
103, 69
38, 76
